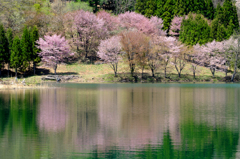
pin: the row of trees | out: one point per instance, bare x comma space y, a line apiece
16, 52
152, 52
134, 38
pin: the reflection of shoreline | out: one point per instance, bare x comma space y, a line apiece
129, 118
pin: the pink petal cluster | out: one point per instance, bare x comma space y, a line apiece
110, 49
210, 54
132, 20
54, 50
175, 26
111, 22
90, 30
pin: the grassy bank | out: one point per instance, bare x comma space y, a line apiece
102, 73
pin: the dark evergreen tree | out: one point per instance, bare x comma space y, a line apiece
229, 13
209, 9
167, 16
10, 42
214, 28
150, 8
221, 33
140, 6
16, 54
159, 10
34, 56
195, 30
181, 8
26, 46
230, 29
4, 47
94, 4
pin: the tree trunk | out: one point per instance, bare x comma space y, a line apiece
29, 66
16, 72
8, 68
0, 72
194, 75
142, 72
235, 68
226, 71
34, 68
55, 70
115, 71
153, 75
179, 75
165, 72
132, 69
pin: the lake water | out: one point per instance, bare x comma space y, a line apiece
167, 121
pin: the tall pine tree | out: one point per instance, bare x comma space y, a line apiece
16, 54
34, 56
26, 46
209, 9
4, 47
159, 10
10, 42
150, 8
229, 13
140, 6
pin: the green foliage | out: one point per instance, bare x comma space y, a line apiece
209, 9
10, 42
26, 46
16, 53
140, 6
150, 8
229, 13
159, 11
34, 53
195, 30
4, 47
73, 6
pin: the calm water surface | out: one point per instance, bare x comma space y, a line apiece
168, 121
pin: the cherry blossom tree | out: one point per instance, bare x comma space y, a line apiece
175, 26
158, 25
111, 22
54, 50
132, 20
90, 30
167, 50
131, 43
231, 52
210, 54
178, 58
154, 58
109, 51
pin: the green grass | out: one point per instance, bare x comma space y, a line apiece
102, 73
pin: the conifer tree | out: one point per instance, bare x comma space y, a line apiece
26, 46
4, 47
10, 42
229, 30
169, 9
230, 13
16, 54
221, 33
214, 28
181, 8
140, 6
195, 30
150, 8
34, 56
159, 11
209, 9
